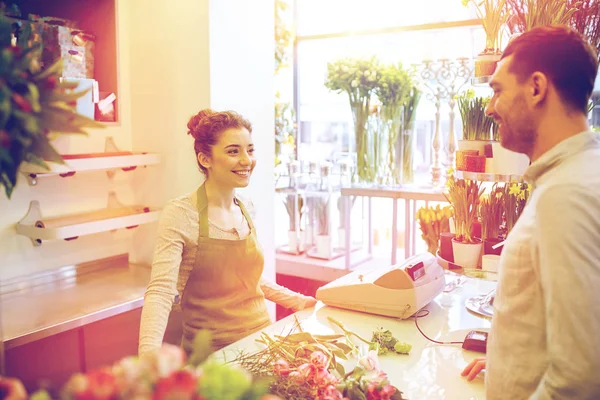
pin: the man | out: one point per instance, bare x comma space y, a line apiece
544, 341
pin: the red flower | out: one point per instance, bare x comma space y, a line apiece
51, 82
180, 385
101, 385
22, 102
384, 393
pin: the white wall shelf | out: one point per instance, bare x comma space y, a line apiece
111, 160
69, 227
484, 177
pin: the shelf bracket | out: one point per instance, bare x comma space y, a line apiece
33, 218
109, 147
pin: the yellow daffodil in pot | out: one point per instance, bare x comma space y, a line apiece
491, 211
493, 15
463, 196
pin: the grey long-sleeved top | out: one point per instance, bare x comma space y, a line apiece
544, 341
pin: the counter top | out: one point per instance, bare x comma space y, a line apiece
69, 298
431, 371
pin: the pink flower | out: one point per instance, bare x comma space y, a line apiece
307, 371
323, 378
331, 393
281, 368
319, 360
299, 379
162, 362
370, 362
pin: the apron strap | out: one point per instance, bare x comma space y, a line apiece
246, 215
202, 211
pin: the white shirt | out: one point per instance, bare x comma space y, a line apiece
545, 337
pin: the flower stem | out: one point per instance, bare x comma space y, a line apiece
347, 332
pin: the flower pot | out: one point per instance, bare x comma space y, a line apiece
475, 163
489, 243
324, 246
478, 145
467, 255
508, 162
476, 229
489, 166
446, 251
461, 161
293, 242
490, 262
485, 64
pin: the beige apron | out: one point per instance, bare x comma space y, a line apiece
223, 291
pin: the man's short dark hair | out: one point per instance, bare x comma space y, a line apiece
563, 55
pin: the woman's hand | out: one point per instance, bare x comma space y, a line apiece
474, 368
310, 302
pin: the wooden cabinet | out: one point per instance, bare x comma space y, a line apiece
109, 340
49, 362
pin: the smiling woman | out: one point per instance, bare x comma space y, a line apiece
207, 249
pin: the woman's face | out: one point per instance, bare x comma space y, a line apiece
232, 160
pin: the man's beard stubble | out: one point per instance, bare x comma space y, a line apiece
518, 130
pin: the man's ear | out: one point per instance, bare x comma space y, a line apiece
204, 160
539, 88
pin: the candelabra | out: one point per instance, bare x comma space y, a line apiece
442, 80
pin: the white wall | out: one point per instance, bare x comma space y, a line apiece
241, 78
175, 58
80, 193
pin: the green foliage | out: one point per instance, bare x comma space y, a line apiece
493, 15
283, 36
386, 342
33, 105
358, 77
476, 125
394, 87
527, 14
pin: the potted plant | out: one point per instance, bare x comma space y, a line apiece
491, 210
493, 15
323, 241
293, 205
527, 14
475, 146
36, 107
463, 196
433, 222
515, 197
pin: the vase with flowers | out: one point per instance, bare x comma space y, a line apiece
358, 78
463, 196
491, 211
393, 91
406, 144
493, 15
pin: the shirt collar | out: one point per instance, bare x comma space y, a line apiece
563, 150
